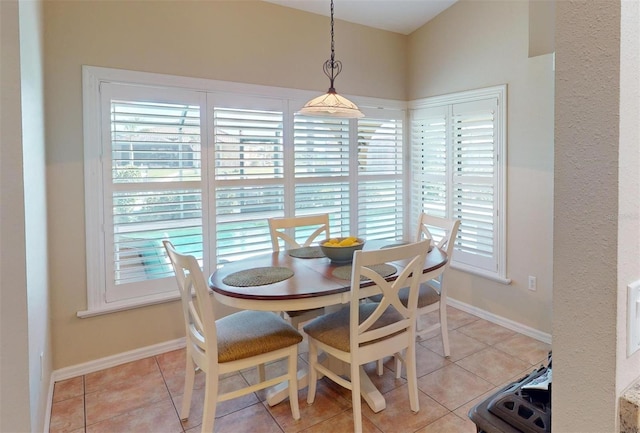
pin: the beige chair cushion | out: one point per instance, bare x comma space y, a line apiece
249, 333
333, 329
426, 296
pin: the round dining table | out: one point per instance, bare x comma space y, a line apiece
303, 280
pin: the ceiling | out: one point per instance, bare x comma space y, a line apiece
400, 16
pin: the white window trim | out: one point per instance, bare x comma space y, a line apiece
500, 92
92, 78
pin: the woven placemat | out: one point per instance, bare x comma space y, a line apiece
258, 276
344, 272
306, 253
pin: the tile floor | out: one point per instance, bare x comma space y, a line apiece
143, 396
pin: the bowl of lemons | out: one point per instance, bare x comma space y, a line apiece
340, 250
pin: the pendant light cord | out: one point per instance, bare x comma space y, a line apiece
332, 67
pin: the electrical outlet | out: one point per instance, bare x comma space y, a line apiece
633, 318
532, 283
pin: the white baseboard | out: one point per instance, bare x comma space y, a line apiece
498, 320
120, 358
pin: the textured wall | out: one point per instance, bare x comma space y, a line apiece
586, 216
628, 369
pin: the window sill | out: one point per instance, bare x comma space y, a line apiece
481, 273
127, 305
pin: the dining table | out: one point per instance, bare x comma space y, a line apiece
305, 279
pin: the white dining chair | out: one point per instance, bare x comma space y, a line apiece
283, 230
363, 332
232, 343
432, 296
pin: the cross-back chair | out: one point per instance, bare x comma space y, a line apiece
432, 296
363, 332
241, 340
284, 230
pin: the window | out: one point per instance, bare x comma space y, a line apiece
457, 167
205, 163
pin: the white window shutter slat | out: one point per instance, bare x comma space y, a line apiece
455, 149
380, 178
155, 191
249, 179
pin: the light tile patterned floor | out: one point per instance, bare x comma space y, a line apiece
143, 396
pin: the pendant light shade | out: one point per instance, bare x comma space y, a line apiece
331, 104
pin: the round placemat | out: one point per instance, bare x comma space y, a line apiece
306, 253
344, 272
258, 276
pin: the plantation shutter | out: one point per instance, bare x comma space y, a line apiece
380, 179
153, 186
474, 182
248, 174
429, 162
321, 170
455, 174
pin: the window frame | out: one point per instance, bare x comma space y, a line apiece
93, 77
498, 92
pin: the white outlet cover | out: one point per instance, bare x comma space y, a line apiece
633, 318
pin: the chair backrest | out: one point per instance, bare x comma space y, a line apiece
281, 229
413, 257
197, 306
441, 231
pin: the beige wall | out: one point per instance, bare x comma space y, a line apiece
476, 44
242, 41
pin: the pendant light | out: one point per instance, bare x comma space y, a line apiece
331, 104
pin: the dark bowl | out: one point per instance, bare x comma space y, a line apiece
338, 253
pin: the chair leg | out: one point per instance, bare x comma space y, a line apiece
356, 404
412, 376
293, 382
380, 366
313, 373
210, 402
444, 329
398, 359
189, 380
261, 373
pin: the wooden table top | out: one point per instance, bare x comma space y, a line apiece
312, 277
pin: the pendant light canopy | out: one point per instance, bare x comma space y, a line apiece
331, 104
